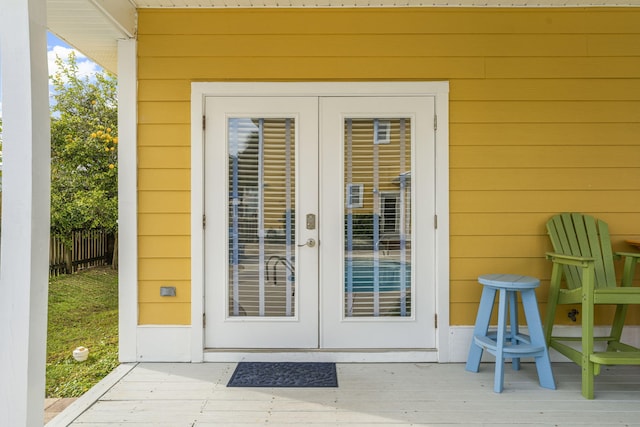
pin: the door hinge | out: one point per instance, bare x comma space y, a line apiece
435, 122
204, 319
204, 122
435, 222
436, 320
204, 221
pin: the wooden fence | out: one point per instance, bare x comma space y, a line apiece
89, 248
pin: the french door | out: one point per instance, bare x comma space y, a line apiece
377, 287
319, 230
261, 172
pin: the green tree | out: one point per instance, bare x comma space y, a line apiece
84, 147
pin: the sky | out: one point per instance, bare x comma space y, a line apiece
55, 46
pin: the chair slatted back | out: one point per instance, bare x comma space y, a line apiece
582, 235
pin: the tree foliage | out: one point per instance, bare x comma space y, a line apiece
84, 149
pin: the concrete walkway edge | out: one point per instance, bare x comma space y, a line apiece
85, 401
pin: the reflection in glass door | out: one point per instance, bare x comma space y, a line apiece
377, 156
261, 219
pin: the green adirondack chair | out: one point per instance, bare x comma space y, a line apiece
584, 262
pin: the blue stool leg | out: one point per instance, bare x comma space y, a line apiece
498, 380
482, 326
513, 315
543, 364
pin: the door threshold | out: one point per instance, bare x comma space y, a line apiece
322, 355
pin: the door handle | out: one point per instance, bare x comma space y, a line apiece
310, 242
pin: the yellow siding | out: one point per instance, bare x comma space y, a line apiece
544, 117
350, 45
161, 224
164, 179
551, 134
161, 201
165, 268
156, 135
161, 313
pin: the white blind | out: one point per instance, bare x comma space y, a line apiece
377, 228
261, 216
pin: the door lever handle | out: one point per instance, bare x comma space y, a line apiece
310, 242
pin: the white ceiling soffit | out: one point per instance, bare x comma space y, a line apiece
378, 3
93, 26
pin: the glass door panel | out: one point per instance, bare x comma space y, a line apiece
377, 160
262, 280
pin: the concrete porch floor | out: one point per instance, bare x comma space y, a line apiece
369, 394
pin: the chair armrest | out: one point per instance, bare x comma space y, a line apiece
635, 255
629, 269
579, 261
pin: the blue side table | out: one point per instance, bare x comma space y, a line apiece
509, 343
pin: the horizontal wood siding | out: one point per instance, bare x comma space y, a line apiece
544, 117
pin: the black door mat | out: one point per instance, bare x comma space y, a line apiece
284, 374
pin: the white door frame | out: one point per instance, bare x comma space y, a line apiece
440, 90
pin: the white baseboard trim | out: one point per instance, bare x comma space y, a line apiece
460, 340
347, 356
162, 343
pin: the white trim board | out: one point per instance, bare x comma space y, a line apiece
164, 343
350, 356
200, 90
127, 200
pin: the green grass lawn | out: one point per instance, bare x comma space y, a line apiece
83, 311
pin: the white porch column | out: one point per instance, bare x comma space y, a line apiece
127, 200
24, 250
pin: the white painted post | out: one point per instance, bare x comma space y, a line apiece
127, 200
24, 246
